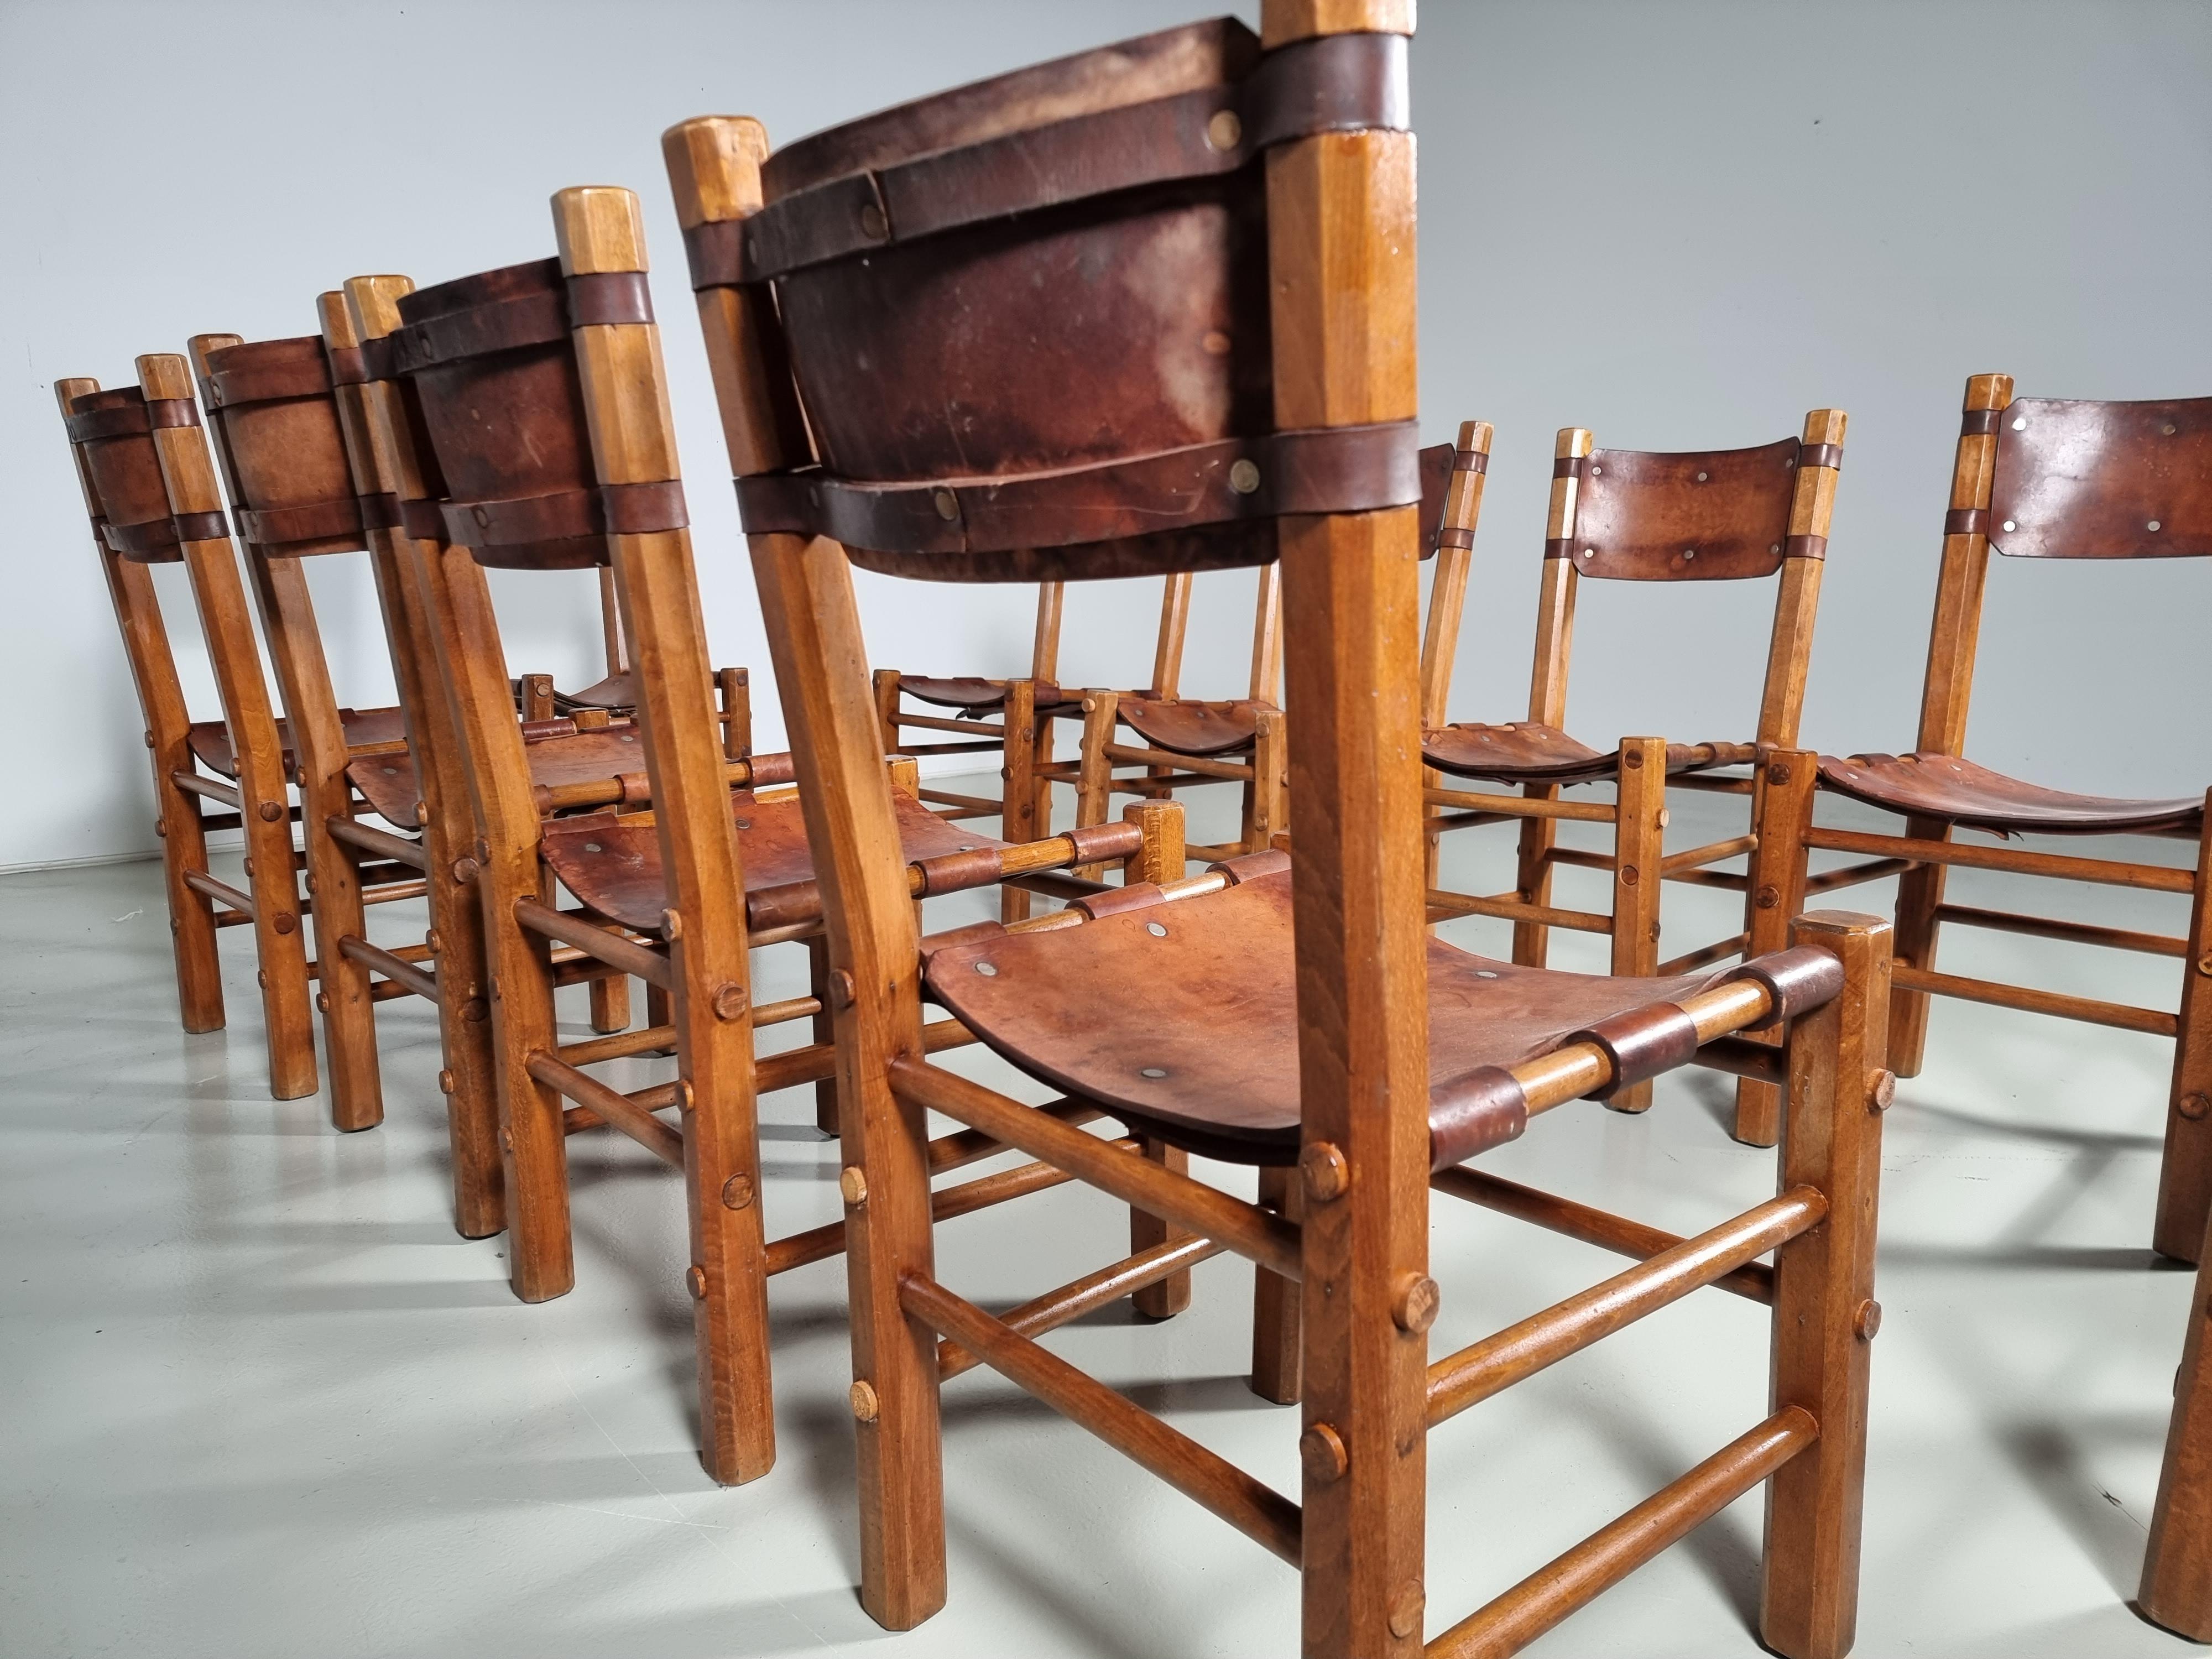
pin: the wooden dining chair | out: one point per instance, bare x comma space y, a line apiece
149, 486
2043, 479
1273, 1011
1715, 515
521, 417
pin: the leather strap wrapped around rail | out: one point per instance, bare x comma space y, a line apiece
311, 521
1967, 521
1978, 422
636, 509
1472, 1112
159, 538
1335, 83
1349, 468
421, 519
1640, 1042
1799, 979
530, 319
131, 419
266, 383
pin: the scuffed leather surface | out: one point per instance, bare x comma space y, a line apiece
1189, 727
1524, 751
210, 739
1959, 791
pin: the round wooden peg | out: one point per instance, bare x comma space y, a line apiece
730, 1000
446, 1082
852, 1182
736, 1191
1325, 1173
1867, 1320
2194, 1106
1321, 1454
1407, 1603
694, 1280
863, 1397
1415, 1303
1881, 1090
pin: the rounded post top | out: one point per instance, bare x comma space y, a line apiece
201, 345
165, 375
67, 392
373, 302
1574, 442
1826, 426
1988, 391
1474, 437
339, 331
1282, 21
714, 167
600, 227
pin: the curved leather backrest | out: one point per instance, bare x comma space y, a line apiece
1716, 515
126, 474
270, 403
2080, 480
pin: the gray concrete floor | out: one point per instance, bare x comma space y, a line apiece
261, 1400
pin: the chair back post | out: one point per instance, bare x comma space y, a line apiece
168, 744
1956, 631
1341, 229
319, 756
814, 633
633, 435
1454, 562
1174, 628
1267, 683
382, 467
211, 562
1797, 595
1044, 649
1555, 605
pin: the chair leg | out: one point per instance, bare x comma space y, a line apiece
1264, 810
1824, 1315
2184, 1181
191, 915
1277, 1339
2176, 1591
1774, 894
1017, 786
1638, 834
885, 683
611, 1003
281, 943
342, 984
1147, 1231
1919, 893
469, 1080
1094, 784
1532, 939
533, 1137
823, 1030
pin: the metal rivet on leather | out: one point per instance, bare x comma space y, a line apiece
873, 224
391, 771
1775, 547
2152, 525
1156, 929
2009, 525
745, 823
2169, 428
594, 847
1689, 552
948, 504
1243, 477
1589, 552
1223, 130
2020, 424
480, 515
1702, 476
1596, 470
1153, 1071
1486, 973
988, 970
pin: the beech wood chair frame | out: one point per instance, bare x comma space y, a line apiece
1343, 202
1638, 814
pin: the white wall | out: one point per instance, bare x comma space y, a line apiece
1681, 224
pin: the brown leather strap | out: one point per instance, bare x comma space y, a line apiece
421, 519
312, 521
265, 383
959, 872
1569, 466
1967, 521
130, 420
637, 509
1799, 979
1250, 866
1450, 536
1559, 547
1351, 469
1472, 1112
1804, 547
1641, 1043
1135, 896
1335, 83
1827, 455
349, 365
155, 537
1470, 460
1105, 844
529, 320
1978, 422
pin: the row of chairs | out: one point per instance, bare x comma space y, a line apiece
923, 371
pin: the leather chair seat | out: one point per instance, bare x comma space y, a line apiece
1524, 751
975, 696
613, 692
210, 739
389, 782
1959, 791
1198, 1041
613, 864
1185, 726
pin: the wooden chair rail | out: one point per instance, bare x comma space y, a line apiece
1259, 1235
390, 893
573, 927
1693, 858
2088, 1009
620, 1045
1521, 1350
944, 723
2161, 879
820, 1244
611, 1106
397, 849
222, 892
1856, 875
1255, 1509
232, 917
2075, 933
1719, 951
630, 791
1717, 783
917, 750
1511, 908
1200, 766
1582, 1068
1754, 1280
393, 968
1522, 806
1617, 1549
971, 807
1086, 1294
214, 788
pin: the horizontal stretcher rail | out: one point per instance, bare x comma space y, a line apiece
1085, 1295
820, 1244
222, 892
1521, 1350
1519, 806
1731, 881
922, 751
621, 1046
1906, 977
616, 950
1717, 783
2075, 933
1856, 875
2155, 878
1690, 961
1054, 884
193, 783
945, 723
1571, 1073
1255, 1509
613, 792
1205, 766
393, 892
952, 797
1754, 1280
611, 1107
1617, 1549
1259, 1235
1511, 908
398, 849
395, 969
